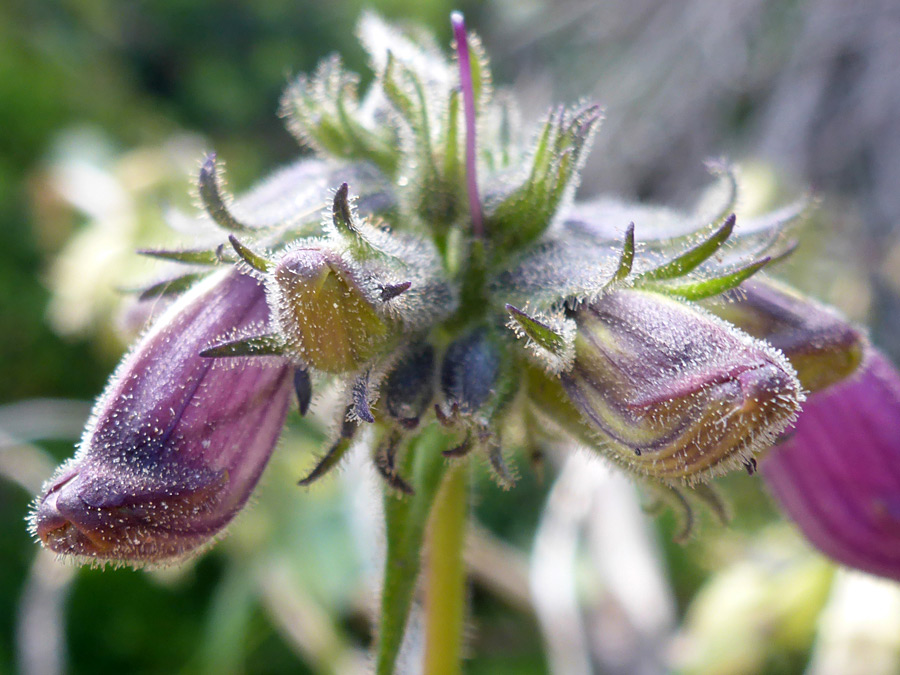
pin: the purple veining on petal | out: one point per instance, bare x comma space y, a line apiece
677, 393
468, 93
838, 475
177, 442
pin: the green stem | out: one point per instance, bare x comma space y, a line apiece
405, 522
445, 576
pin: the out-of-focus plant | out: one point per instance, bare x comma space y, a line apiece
430, 264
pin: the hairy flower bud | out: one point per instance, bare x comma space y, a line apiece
410, 385
176, 443
838, 473
821, 345
322, 312
469, 371
673, 392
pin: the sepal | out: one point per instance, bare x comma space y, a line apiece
323, 112
521, 216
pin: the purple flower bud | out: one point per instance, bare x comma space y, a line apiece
838, 474
673, 392
822, 346
177, 442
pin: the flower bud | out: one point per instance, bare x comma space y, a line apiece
322, 312
838, 474
410, 386
821, 345
674, 393
176, 443
469, 371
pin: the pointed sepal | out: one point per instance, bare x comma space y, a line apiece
521, 216
257, 345
626, 260
694, 256
169, 287
332, 456
303, 389
699, 289
255, 260
553, 345
207, 257
323, 112
214, 198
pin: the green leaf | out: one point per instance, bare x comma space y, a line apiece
406, 519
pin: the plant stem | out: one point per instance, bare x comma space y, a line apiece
445, 576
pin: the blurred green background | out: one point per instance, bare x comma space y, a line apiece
115, 101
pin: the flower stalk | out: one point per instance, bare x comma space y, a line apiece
445, 575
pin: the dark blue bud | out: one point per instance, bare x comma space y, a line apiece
410, 386
470, 370
303, 387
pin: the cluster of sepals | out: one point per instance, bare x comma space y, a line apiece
428, 287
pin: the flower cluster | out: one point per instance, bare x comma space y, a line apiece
455, 293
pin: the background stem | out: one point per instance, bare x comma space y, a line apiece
445, 576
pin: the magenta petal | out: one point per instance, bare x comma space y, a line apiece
838, 475
177, 442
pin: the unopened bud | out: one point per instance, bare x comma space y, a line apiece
176, 443
410, 386
673, 392
470, 370
323, 314
822, 346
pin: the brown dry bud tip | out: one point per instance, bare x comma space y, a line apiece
322, 313
176, 443
674, 393
822, 346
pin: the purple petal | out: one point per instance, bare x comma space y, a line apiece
177, 442
838, 475
468, 94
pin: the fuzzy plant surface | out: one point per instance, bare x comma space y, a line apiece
429, 260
